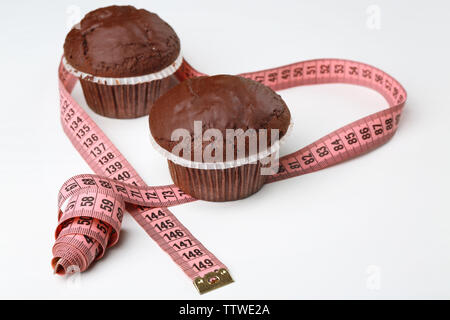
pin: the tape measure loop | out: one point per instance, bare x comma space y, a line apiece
96, 203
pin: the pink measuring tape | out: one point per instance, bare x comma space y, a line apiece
95, 204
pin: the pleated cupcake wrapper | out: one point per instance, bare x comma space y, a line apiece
221, 181
253, 159
219, 185
125, 98
111, 81
125, 101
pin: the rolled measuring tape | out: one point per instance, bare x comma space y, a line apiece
95, 204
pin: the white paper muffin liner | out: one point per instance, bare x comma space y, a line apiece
164, 73
222, 165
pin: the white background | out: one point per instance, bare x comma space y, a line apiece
375, 227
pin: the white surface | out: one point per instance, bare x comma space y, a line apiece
375, 227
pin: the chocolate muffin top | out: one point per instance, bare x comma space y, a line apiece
121, 41
220, 102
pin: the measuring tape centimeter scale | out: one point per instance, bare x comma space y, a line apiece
92, 217
93, 200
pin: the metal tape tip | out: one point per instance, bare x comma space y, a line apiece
213, 280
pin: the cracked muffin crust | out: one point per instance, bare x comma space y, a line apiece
220, 102
121, 41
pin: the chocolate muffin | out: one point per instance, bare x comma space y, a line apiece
125, 59
228, 127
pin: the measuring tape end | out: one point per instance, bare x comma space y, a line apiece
213, 280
